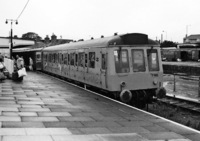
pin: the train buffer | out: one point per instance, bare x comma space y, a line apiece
42, 108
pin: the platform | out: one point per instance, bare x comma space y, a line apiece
45, 109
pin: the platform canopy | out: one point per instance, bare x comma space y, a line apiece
17, 43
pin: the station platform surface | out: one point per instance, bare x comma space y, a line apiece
41, 108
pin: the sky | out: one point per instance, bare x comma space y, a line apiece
83, 19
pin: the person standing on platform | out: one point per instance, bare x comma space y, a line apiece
30, 63
20, 62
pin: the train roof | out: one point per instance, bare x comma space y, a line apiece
132, 39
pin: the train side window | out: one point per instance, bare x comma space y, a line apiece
68, 59
91, 60
81, 59
62, 58
86, 62
153, 60
72, 59
49, 57
121, 61
103, 61
76, 59
138, 60
65, 58
54, 56
57, 58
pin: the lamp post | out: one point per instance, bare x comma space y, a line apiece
11, 34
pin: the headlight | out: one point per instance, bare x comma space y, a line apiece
155, 81
123, 84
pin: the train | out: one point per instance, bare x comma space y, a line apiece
127, 67
183, 52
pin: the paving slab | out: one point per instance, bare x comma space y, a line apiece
27, 138
11, 124
54, 114
47, 131
19, 114
39, 119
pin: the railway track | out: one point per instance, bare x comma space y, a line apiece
182, 103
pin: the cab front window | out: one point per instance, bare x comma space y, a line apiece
153, 60
138, 60
121, 61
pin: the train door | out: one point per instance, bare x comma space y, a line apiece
103, 69
94, 67
81, 66
38, 61
72, 68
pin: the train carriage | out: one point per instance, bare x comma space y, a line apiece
127, 66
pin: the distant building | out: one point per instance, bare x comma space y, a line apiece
55, 41
192, 39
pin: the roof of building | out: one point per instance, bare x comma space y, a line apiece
194, 36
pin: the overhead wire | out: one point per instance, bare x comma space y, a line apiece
23, 10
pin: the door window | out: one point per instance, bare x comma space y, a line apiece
121, 61
153, 60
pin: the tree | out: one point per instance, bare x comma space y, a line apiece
31, 36
168, 44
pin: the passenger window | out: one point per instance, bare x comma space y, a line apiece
54, 57
68, 59
72, 59
62, 58
57, 59
153, 60
86, 62
121, 61
91, 60
103, 61
138, 60
81, 59
49, 57
65, 58
76, 59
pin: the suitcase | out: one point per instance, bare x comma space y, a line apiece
2, 76
15, 77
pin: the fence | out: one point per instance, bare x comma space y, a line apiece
182, 84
